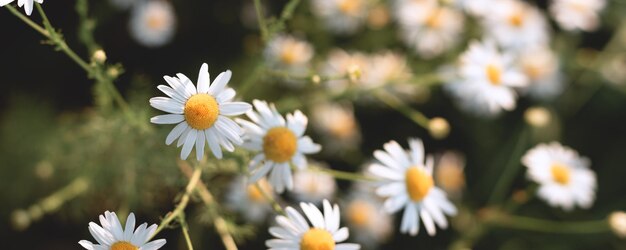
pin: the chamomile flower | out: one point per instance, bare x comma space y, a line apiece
153, 23
279, 142
294, 232
577, 14
364, 214
449, 173
407, 182
112, 236
486, 80
337, 124
200, 112
385, 67
246, 199
313, 186
28, 4
437, 32
515, 24
341, 63
341, 16
477, 8
289, 53
542, 68
564, 177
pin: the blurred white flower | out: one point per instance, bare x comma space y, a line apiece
279, 142
433, 33
449, 173
294, 233
248, 200
564, 177
477, 8
27, 4
485, 80
577, 14
341, 16
313, 186
343, 64
407, 183
289, 53
153, 23
365, 216
200, 113
385, 67
337, 124
617, 221
542, 68
112, 236
515, 24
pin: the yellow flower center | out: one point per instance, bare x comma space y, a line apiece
493, 74
560, 173
349, 6
289, 55
359, 213
517, 19
317, 239
418, 183
155, 21
279, 144
255, 194
123, 245
201, 111
434, 19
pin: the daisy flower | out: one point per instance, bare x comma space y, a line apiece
577, 14
486, 79
111, 235
289, 53
407, 183
477, 8
385, 67
337, 124
153, 23
341, 63
515, 24
200, 113
28, 4
248, 200
542, 68
435, 33
564, 177
313, 186
364, 214
341, 16
294, 233
279, 142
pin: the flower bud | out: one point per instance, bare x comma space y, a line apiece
438, 127
537, 116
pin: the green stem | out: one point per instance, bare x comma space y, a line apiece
546, 226
27, 20
341, 174
261, 20
270, 198
180, 208
393, 102
185, 228
510, 169
58, 40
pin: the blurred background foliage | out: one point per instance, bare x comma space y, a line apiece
53, 134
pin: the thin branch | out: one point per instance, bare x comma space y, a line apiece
185, 228
393, 102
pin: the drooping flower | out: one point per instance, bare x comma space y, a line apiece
364, 214
313, 186
407, 182
577, 14
542, 68
153, 23
279, 142
110, 235
341, 16
564, 177
294, 232
200, 112
248, 200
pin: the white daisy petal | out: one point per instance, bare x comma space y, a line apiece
190, 141
204, 79
234, 108
112, 232
167, 119
220, 82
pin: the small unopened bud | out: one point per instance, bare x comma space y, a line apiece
617, 221
20, 220
316, 79
438, 128
354, 72
44, 170
99, 56
113, 72
537, 116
